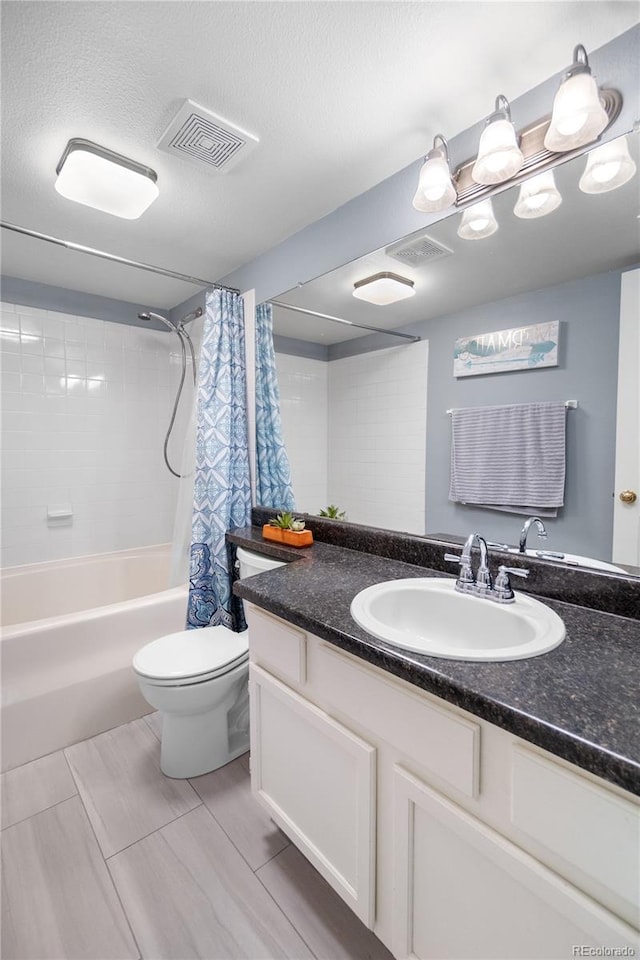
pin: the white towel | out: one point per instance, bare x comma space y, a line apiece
509, 457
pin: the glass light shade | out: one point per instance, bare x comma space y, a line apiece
435, 188
578, 115
478, 222
608, 167
538, 197
383, 288
499, 156
91, 177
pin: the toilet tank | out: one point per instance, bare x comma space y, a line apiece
252, 563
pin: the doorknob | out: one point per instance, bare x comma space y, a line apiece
628, 496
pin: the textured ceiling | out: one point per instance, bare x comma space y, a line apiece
341, 95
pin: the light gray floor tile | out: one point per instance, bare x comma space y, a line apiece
325, 922
34, 786
189, 894
154, 721
227, 794
121, 785
245, 760
58, 900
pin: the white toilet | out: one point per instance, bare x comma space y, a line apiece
198, 680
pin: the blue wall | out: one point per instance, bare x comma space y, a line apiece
588, 311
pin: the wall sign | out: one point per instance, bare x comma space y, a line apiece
520, 348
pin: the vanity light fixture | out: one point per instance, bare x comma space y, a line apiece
435, 187
608, 167
478, 221
579, 116
538, 197
383, 288
499, 156
99, 178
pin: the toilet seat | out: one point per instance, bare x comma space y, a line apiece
191, 656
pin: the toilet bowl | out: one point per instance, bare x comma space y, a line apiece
198, 680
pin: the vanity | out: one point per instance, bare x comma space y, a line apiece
475, 810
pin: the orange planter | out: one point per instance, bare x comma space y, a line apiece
293, 538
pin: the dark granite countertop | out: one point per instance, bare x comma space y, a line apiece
580, 701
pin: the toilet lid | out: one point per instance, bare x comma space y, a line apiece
192, 655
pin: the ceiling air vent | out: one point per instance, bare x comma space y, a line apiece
417, 251
199, 135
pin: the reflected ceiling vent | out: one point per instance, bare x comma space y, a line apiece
199, 135
417, 251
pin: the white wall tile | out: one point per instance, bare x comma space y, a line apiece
73, 431
303, 402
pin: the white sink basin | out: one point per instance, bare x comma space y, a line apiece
430, 616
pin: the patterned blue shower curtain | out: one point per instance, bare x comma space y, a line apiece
222, 490
273, 473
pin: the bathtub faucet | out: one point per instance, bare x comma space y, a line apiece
542, 533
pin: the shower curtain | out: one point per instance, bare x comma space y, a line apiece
273, 472
222, 490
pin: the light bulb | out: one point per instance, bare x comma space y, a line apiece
435, 188
538, 197
478, 222
578, 115
608, 167
499, 156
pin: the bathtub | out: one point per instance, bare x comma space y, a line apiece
69, 631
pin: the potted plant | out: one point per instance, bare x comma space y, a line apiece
333, 513
288, 529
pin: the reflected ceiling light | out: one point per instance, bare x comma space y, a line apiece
478, 221
383, 288
579, 116
435, 187
99, 178
608, 167
538, 197
499, 156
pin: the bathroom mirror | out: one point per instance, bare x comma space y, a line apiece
350, 398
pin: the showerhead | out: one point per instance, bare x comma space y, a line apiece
149, 315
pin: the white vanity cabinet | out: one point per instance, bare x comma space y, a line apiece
448, 836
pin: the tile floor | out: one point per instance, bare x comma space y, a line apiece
105, 858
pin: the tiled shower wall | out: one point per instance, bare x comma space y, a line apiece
378, 435
85, 407
303, 403
355, 432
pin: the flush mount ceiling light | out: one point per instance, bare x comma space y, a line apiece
538, 197
99, 178
499, 156
383, 288
579, 116
478, 222
435, 188
608, 167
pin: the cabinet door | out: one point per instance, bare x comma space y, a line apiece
462, 890
317, 779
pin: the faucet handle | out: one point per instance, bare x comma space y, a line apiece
514, 571
502, 591
466, 573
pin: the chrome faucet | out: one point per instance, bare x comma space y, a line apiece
481, 585
542, 533
466, 582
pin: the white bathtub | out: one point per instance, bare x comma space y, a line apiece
69, 631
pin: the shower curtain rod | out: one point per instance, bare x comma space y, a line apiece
350, 323
79, 248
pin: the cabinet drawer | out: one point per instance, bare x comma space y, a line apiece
436, 738
581, 825
276, 645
